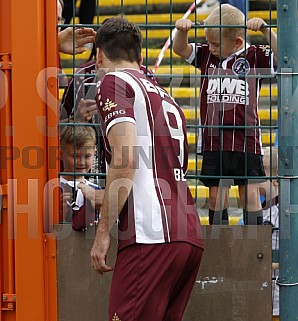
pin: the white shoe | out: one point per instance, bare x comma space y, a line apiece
207, 6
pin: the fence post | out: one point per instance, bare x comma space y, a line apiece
288, 155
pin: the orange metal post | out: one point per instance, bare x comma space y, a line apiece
28, 42
7, 277
27, 258
52, 159
52, 95
5, 23
7, 284
8, 292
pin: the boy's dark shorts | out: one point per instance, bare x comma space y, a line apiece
234, 164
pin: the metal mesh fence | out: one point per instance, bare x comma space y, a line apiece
183, 81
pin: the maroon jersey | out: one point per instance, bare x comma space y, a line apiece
79, 87
160, 207
229, 98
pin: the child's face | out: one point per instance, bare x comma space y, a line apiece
79, 160
220, 48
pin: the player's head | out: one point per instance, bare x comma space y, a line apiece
225, 41
77, 148
120, 40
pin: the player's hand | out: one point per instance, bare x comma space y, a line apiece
70, 43
87, 108
255, 24
95, 196
99, 252
183, 24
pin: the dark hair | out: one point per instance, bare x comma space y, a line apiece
120, 40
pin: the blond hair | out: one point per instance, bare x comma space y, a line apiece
270, 160
77, 136
226, 15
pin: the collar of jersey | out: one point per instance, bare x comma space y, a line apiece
235, 54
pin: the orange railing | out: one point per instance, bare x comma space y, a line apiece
28, 135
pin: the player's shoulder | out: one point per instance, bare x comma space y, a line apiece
125, 75
118, 83
131, 78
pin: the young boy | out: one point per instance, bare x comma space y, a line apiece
228, 103
78, 148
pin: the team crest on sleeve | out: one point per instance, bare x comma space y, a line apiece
266, 49
241, 67
109, 105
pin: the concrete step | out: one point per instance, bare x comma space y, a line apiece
109, 3
149, 53
132, 6
170, 18
253, 4
162, 32
233, 220
203, 192
268, 139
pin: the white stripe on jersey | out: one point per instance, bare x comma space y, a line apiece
119, 120
147, 209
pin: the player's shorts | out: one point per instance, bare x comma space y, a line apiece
233, 164
153, 282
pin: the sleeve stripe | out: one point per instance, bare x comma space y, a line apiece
119, 120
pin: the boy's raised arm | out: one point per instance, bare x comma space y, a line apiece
258, 24
180, 43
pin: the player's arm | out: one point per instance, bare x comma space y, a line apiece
122, 140
180, 43
258, 24
95, 196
